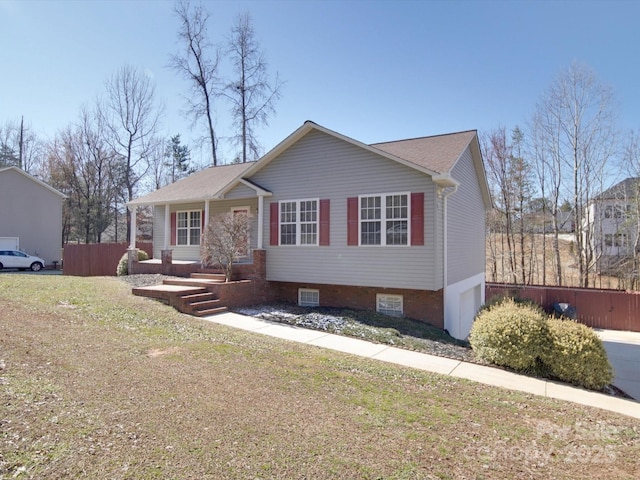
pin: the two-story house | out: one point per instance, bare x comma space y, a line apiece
613, 224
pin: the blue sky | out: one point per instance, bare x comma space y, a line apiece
372, 70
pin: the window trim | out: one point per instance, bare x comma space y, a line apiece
188, 228
393, 297
298, 223
314, 291
383, 219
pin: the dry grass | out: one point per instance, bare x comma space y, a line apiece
96, 383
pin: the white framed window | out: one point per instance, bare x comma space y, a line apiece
616, 240
384, 219
389, 304
308, 297
299, 222
617, 211
188, 227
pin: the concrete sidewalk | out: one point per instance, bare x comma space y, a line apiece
430, 363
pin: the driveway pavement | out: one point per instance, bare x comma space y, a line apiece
623, 350
29, 272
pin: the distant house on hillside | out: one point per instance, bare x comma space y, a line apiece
397, 227
31, 211
613, 221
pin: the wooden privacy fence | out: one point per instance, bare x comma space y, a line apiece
610, 309
96, 259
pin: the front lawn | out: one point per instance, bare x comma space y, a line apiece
97, 383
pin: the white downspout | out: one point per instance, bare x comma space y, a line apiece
445, 253
260, 220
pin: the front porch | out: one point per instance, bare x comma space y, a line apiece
204, 291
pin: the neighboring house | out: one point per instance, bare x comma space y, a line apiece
397, 227
538, 222
32, 211
612, 218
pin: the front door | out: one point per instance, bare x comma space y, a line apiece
247, 242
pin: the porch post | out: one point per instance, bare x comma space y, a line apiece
260, 219
205, 223
167, 226
132, 241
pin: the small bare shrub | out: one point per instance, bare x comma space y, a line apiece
224, 240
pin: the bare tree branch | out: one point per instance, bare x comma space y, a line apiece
199, 66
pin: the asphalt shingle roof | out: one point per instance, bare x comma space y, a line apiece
438, 153
201, 185
627, 188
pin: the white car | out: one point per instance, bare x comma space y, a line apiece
20, 260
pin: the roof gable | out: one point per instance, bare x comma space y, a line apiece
426, 165
33, 179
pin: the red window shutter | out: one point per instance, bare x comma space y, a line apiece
274, 233
417, 219
173, 228
324, 222
352, 221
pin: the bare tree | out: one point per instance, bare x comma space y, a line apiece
544, 142
21, 147
83, 166
198, 63
225, 240
497, 154
251, 93
631, 158
578, 127
131, 118
170, 161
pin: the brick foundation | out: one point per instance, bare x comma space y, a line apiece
424, 305
249, 287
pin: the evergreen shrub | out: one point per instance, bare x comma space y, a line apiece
511, 334
578, 355
123, 264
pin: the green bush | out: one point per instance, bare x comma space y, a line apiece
123, 264
511, 334
577, 356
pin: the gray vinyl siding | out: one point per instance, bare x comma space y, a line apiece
466, 224
33, 213
216, 207
322, 166
240, 191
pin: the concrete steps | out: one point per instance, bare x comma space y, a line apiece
187, 295
219, 277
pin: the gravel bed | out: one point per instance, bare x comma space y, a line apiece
144, 280
343, 325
